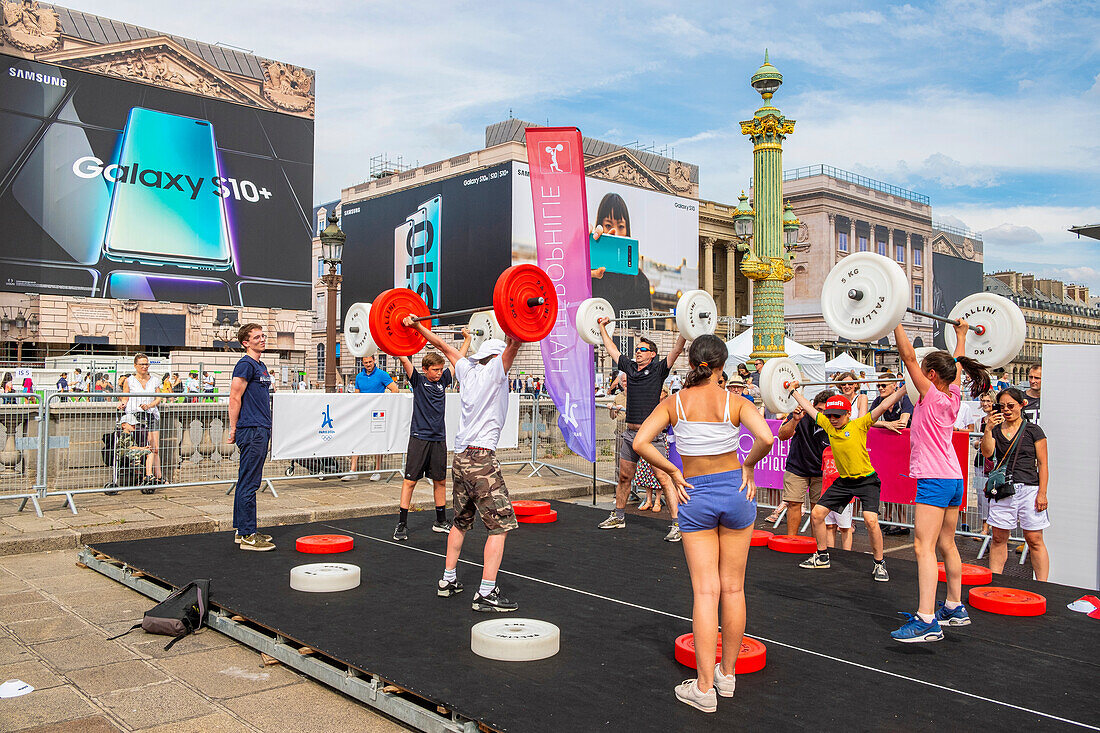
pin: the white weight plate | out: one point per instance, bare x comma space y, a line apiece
483, 326
357, 338
910, 388
773, 376
588, 314
696, 314
885, 296
324, 577
1005, 328
515, 639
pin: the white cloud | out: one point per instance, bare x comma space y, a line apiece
951, 221
1011, 234
854, 18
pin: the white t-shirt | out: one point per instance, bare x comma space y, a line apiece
133, 404
965, 417
484, 398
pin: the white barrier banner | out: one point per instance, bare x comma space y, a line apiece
317, 425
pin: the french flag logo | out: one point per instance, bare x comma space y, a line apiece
378, 414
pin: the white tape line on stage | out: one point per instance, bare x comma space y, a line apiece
761, 638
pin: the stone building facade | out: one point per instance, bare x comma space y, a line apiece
843, 213
1055, 312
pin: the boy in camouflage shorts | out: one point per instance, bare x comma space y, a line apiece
478, 484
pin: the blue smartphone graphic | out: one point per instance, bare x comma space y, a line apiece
165, 209
617, 254
146, 286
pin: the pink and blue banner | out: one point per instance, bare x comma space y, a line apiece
556, 159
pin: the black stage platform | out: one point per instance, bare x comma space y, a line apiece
620, 598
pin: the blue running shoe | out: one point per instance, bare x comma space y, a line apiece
916, 630
955, 617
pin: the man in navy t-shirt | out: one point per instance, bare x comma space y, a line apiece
370, 380
250, 429
427, 451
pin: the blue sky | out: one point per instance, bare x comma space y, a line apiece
990, 108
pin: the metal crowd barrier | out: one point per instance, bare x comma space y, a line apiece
80, 454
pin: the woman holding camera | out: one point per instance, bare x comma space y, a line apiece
1020, 447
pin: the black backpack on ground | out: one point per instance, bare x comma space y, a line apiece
178, 615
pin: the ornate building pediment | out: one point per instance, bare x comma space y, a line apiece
161, 61
622, 167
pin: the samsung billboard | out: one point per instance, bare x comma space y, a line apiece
113, 188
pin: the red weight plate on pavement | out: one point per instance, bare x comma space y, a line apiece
760, 538
320, 544
514, 288
798, 545
544, 518
972, 574
524, 508
1007, 601
386, 313
751, 658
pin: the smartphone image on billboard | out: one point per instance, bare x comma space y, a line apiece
416, 252
617, 254
145, 286
164, 209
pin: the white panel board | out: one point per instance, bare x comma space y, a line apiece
1070, 393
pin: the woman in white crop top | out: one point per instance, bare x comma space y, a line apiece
717, 507
147, 416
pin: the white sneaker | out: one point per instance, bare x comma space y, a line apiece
376, 477
724, 684
688, 692
348, 477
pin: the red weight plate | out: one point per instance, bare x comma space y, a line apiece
800, 545
386, 313
1007, 601
751, 658
760, 537
544, 518
972, 574
524, 508
320, 544
519, 320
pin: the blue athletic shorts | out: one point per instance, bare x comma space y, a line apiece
715, 500
941, 492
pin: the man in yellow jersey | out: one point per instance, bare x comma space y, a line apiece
848, 439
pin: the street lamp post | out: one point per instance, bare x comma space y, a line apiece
332, 250
765, 261
18, 328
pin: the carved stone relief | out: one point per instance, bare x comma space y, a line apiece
30, 27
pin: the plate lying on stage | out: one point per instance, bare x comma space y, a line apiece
620, 599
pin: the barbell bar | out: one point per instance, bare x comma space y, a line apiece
357, 338
695, 316
856, 294
866, 295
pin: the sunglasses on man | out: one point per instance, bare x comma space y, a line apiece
642, 348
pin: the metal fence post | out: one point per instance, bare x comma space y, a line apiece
43, 447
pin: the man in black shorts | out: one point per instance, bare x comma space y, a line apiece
427, 451
645, 376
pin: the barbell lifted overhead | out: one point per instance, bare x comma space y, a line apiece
866, 295
525, 307
696, 315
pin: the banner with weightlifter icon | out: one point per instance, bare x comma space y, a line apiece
556, 160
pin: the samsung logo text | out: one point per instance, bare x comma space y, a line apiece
35, 76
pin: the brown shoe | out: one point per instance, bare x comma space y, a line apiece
256, 543
644, 505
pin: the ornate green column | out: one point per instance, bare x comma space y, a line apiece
766, 262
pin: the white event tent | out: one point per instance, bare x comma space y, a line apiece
810, 361
845, 362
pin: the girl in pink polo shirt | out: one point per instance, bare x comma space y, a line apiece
935, 466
